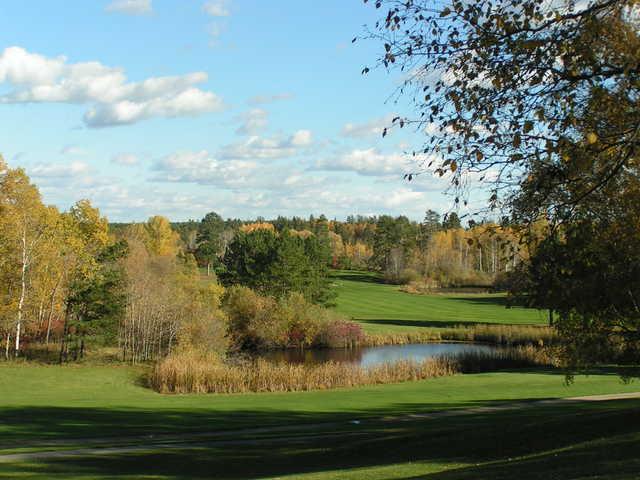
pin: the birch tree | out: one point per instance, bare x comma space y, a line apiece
23, 226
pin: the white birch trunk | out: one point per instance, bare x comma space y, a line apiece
23, 280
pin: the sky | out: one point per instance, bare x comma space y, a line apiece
181, 107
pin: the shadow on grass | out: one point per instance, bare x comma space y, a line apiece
356, 276
589, 430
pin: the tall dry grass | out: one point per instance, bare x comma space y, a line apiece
500, 335
191, 373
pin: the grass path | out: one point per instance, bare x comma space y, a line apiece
398, 431
384, 308
281, 434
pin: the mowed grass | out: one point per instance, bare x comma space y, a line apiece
384, 308
370, 432
45, 403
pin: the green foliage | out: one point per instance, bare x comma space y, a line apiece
590, 278
209, 240
258, 322
528, 93
276, 265
451, 221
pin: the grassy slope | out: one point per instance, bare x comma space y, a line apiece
74, 402
597, 440
384, 308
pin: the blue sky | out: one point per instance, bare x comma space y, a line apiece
180, 107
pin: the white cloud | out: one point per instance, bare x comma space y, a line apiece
112, 100
262, 99
369, 162
73, 150
216, 8
256, 147
125, 159
372, 128
214, 30
130, 7
59, 170
402, 197
253, 121
302, 138
201, 167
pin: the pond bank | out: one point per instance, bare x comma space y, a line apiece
190, 373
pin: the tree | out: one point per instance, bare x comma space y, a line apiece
392, 234
451, 221
276, 265
587, 274
23, 227
94, 281
210, 240
96, 302
526, 96
430, 225
541, 102
160, 238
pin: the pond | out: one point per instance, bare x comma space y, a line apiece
369, 356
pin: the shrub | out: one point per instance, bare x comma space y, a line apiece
340, 333
258, 322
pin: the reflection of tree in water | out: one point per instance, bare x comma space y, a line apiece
294, 355
368, 356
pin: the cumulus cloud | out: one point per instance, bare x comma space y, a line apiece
72, 150
368, 162
256, 147
402, 197
201, 167
125, 159
372, 128
262, 99
111, 98
130, 7
253, 121
59, 170
216, 8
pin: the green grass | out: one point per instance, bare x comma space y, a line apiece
42, 404
49, 402
384, 308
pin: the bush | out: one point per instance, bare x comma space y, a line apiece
259, 322
340, 333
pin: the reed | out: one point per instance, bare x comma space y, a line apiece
192, 373
500, 335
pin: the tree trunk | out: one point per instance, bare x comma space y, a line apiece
65, 332
53, 295
23, 281
7, 343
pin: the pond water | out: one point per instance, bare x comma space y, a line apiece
369, 356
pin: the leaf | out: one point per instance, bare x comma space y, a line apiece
517, 140
592, 138
528, 126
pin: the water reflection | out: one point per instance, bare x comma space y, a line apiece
368, 356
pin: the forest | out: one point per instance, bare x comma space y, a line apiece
72, 281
